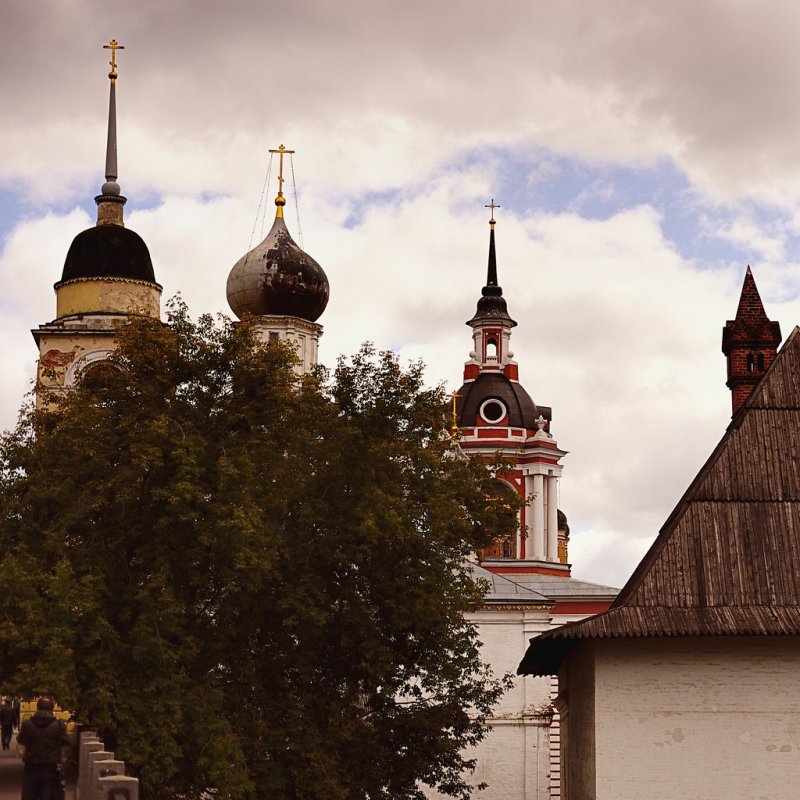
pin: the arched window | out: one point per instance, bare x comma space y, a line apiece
751, 362
503, 546
760, 360
83, 363
491, 349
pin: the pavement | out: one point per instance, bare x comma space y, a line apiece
10, 773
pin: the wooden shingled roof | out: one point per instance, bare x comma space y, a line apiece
727, 560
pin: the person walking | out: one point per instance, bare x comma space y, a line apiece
42, 736
6, 722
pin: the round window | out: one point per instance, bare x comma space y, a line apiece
493, 411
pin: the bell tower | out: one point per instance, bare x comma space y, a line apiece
496, 415
107, 278
749, 342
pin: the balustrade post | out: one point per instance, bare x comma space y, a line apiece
118, 787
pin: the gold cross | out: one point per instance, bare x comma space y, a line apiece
281, 150
454, 425
493, 206
113, 46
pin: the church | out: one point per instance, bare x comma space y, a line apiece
688, 686
531, 588
108, 278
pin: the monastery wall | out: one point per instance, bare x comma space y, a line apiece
578, 725
706, 717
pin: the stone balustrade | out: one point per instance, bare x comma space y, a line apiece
100, 775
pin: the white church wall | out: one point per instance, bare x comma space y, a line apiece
504, 634
514, 757
708, 717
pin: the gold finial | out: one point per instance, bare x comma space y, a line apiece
454, 424
113, 46
493, 206
280, 201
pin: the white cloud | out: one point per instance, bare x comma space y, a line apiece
617, 331
376, 94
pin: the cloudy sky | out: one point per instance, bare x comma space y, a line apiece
643, 154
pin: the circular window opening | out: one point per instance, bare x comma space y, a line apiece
493, 411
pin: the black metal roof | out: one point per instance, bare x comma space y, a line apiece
108, 251
522, 411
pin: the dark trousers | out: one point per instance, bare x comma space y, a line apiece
5, 735
39, 784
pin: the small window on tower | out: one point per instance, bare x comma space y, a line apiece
751, 363
760, 360
274, 336
491, 349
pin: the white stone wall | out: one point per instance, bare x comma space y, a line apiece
514, 759
701, 717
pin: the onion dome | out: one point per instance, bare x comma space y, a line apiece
520, 410
277, 277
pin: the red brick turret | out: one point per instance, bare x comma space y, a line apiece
750, 343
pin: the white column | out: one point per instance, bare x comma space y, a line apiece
552, 518
537, 523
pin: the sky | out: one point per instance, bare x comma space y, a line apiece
643, 154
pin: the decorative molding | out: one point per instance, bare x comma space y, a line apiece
110, 279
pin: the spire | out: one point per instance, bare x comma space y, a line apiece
750, 343
110, 201
750, 309
492, 305
491, 276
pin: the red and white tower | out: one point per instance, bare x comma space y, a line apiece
496, 415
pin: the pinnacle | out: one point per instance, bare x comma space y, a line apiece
750, 309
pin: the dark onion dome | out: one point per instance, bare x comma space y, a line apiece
522, 411
108, 251
277, 277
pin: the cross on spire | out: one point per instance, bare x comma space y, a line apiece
454, 415
493, 206
113, 46
279, 200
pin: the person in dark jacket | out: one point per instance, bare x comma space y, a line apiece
42, 736
6, 722
15, 706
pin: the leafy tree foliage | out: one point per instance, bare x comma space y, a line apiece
247, 582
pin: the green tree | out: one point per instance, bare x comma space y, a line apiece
247, 582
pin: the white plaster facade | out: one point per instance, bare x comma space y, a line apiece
514, 759
716, 718
300, 333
